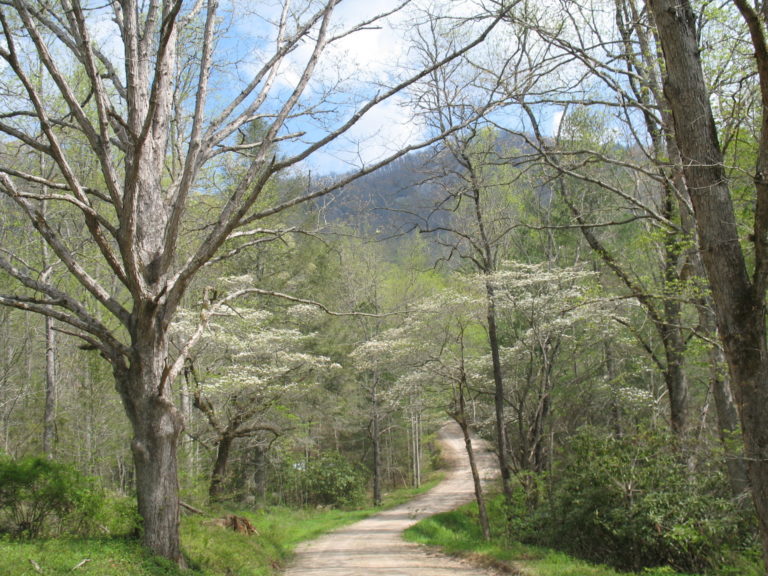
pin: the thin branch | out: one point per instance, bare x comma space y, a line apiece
274, 294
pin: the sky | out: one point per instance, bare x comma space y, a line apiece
352, 66
352, 63
356, 61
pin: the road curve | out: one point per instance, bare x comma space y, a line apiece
374, 546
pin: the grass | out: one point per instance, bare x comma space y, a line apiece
109, 556
457, 533
211, 551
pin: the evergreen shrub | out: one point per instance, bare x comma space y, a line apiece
634, 502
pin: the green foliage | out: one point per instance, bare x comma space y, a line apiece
119, 515
331, 480
633, 502
327, 479
40, 496
457, 533
210, 550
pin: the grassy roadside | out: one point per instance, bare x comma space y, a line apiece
211, 551
457, 533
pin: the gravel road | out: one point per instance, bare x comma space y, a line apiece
374, 546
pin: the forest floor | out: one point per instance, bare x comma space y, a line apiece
375, 546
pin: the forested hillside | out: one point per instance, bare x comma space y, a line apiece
568, 256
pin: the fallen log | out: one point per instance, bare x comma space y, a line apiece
190, 508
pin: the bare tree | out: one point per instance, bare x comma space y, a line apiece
145, 95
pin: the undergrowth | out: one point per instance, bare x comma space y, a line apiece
458, 533
210, 550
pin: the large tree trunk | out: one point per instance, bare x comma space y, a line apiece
739, 304
154, 453
156, 425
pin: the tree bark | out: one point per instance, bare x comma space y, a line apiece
156, 426
739, 303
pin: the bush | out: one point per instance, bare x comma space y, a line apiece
119, 516
331, 480
633, 502
40, 496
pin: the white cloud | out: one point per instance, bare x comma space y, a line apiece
386, 129
353, 68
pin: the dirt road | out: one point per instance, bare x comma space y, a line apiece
374, 547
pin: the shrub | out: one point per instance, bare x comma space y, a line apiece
634, 503
39, 496
331, 480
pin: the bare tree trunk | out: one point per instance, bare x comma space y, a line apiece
156, 425
49, 414
415, 447
485, 525
459, 414
154, 453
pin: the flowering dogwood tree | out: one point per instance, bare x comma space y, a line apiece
248, 368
